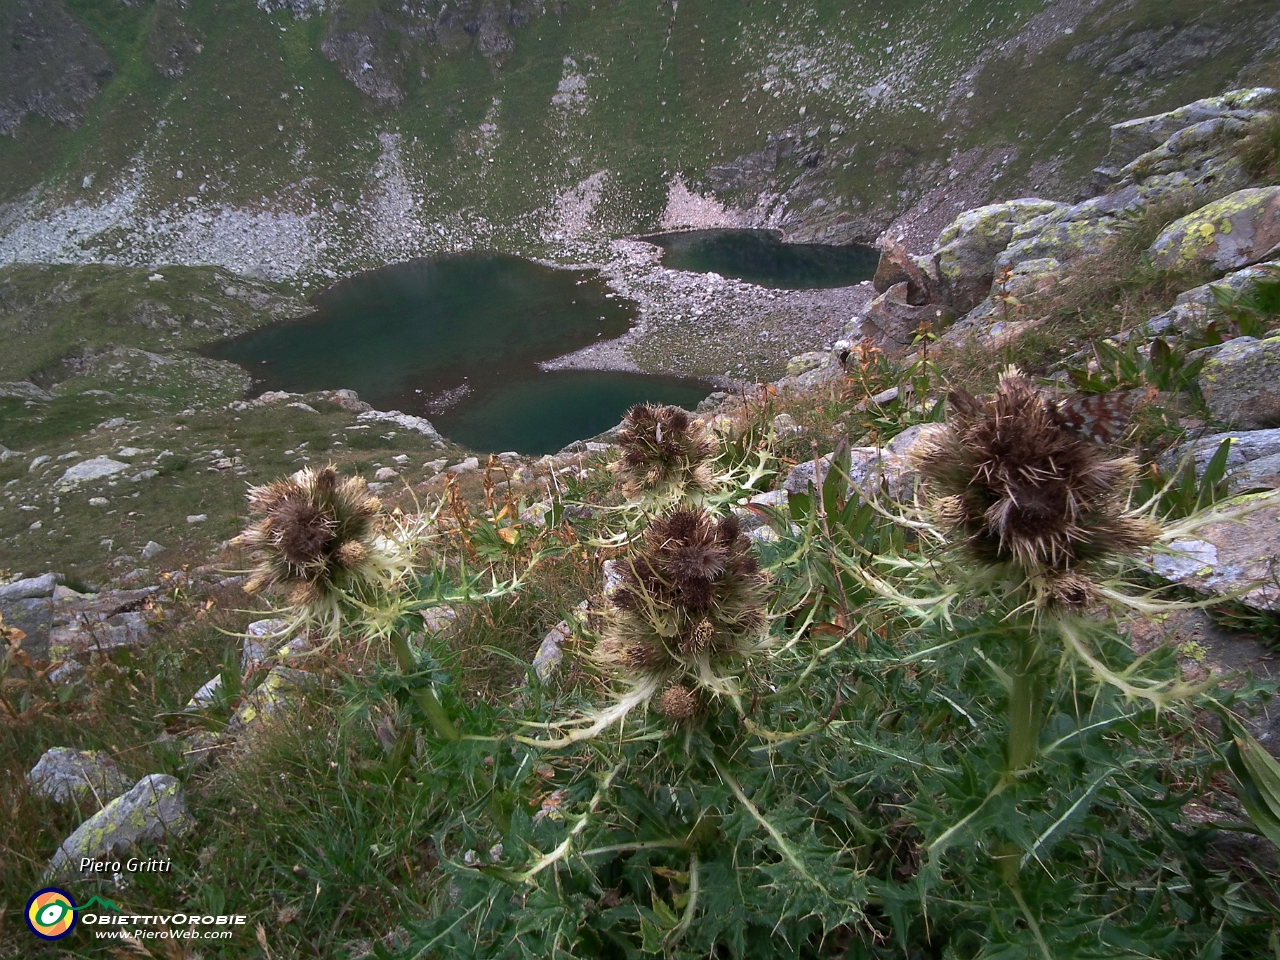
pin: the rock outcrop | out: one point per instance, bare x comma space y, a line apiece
1011, 253
155, 809
50, 64
966, 251
1241, 383
1236, 231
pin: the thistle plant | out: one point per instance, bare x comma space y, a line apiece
666, 455
690, 602
676, 631
339, 560
1041, 513
315, 539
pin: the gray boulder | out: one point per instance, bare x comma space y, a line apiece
33, 617
30, 587
868, 467
1241, 383
1253, 461
96, 469
101, 623
1240, 229
70, 776
1132, 138
1195, 308
24, 390
155, 809
1070, 232
966, 251
1234, 552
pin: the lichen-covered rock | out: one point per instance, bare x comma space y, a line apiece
809, 370
261, 638
1071, 232
280, 689
155, 809
1193, 162
1253, 462
70, 776
1132, 138
1241, 383
1230, 233
966, 251
1231, 553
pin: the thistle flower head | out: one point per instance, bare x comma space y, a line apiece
665, 454
1010, 478
678, 702
313, 536
690, 607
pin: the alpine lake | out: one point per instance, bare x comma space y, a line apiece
458, 339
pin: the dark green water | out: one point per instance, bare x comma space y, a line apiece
406, 335
758, 256
569, 405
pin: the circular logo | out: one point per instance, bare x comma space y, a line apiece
51, 913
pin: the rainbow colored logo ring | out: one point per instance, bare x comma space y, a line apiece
51, 913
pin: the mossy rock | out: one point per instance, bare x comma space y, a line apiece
1241, 383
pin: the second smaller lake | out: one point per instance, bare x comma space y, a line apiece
759, 256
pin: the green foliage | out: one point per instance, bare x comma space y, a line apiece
1186, 493
1260, 150
1127, 366
1254, 309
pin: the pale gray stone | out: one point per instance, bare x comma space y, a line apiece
155, 809
42, 586
1241, 383
784, 425
69, 776
96, 469
1234, 551
206, 696
152, 549
1252, 463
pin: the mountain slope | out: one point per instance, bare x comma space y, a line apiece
311, 139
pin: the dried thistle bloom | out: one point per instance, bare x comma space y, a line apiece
665, 454
690, 605
1011, 478
314, 537
678, 702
